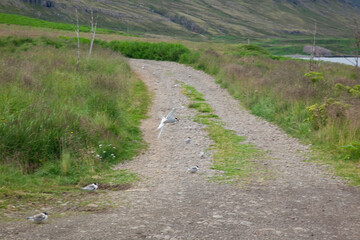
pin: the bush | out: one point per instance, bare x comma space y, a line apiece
314, 77
145, 50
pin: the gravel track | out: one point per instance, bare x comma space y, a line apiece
300, 201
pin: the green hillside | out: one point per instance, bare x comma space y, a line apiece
215, 19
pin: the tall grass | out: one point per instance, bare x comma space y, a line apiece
322, 110
63, 126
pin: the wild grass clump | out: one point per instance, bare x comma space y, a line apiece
322, 107
145, 50
61, 125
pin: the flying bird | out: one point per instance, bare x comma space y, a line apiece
91, 187
168, 119
38, 218
193, 169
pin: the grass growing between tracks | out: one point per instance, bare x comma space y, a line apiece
235, 159
321, 108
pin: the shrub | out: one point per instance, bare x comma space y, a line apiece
314, 77
145, 50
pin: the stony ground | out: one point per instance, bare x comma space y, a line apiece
299, 201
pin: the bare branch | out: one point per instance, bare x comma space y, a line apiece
313, 52
77, 31
93, 31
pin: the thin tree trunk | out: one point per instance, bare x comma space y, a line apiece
313, 51
93, 32
78, 40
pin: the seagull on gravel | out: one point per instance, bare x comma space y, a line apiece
193, 169
38, 218
188, 140
202, 154
91, 187
168, 119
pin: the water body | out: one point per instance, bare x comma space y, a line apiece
344, 60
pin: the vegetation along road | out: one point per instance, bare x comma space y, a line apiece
276, 194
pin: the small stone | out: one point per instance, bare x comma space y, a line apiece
92, 205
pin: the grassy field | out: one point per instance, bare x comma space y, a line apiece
33, 22
61, 128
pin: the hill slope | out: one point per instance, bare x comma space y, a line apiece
198, 18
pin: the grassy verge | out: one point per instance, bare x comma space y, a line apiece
235, 159
321, 108
60, 128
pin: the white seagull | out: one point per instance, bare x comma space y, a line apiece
193, 169
38, 218
187, 140
202, 154
168, 119
91, 187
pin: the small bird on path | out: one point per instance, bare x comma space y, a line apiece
91, 187
202, 154
187, 140
168, 119
193, 169
38, 218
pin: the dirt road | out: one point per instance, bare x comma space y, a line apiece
300, 200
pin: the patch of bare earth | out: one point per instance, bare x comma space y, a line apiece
300, 201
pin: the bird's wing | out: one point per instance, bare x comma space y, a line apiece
89, 187
39, 217
171, 113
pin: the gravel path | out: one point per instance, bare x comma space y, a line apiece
300, 201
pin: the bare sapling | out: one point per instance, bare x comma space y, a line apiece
93, 31
313, 52
357, 49
77, 31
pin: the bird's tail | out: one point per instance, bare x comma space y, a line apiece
30, 218
160, 132
162, 123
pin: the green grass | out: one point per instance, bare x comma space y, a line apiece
61, 128
235, 159
33, 22
192, 94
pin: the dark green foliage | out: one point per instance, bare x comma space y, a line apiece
145, 50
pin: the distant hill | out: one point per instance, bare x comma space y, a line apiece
206, 19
